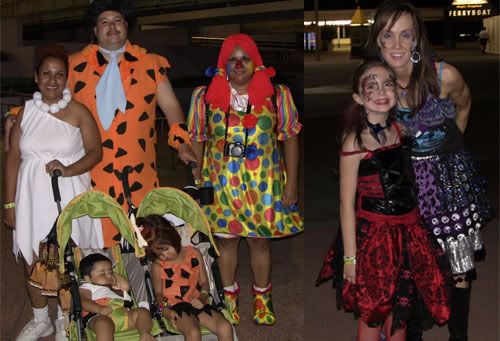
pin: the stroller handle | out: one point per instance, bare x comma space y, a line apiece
52, 235
55, 188
205, 194
126, 186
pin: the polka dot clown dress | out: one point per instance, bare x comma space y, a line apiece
248, 190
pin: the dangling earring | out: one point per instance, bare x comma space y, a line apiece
415, 55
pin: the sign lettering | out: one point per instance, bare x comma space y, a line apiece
472, 10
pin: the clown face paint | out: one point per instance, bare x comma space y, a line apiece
239, 67
377, 91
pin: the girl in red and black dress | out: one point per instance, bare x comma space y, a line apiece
385, 250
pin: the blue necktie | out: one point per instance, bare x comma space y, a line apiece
109, 91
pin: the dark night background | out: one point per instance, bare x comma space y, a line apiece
463, 30
334, 5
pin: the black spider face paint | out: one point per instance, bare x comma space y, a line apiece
369, 86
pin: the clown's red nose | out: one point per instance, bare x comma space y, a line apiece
239, 64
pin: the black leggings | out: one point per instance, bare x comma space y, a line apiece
185, 307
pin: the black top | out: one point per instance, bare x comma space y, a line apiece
390, 193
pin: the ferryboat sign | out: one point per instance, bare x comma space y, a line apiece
469, 9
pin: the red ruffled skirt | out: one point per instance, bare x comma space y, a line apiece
395, 260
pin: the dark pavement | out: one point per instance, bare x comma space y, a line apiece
327, 92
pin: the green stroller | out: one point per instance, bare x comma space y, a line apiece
96, 205
196, 232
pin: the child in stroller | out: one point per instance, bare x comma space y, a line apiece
105, 301
180, 281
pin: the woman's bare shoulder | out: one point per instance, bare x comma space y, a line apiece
451, 78
78, 108
78, 113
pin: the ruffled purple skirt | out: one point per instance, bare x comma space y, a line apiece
453, 200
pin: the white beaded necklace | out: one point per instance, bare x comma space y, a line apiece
53, 108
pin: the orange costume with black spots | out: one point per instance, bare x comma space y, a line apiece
180, 280
131, 138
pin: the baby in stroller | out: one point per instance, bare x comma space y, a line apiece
180, 281
105, 301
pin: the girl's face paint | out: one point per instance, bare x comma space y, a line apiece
377, 90
368, 86
397, 41
239, 67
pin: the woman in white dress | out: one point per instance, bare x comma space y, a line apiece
51, 132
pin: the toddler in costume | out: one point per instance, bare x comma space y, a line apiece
180, 281
104, 299
385, 255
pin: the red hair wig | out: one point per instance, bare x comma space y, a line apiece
260, 88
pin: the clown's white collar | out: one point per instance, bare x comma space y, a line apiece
238, 102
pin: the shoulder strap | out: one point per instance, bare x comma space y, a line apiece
398, 130
342, 153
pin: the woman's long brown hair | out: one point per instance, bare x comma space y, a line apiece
423, 80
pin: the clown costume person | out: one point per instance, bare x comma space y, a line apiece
235, 125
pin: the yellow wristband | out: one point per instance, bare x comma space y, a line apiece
349, 260
9, 205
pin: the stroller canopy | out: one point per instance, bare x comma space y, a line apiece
95, 204
171, 200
